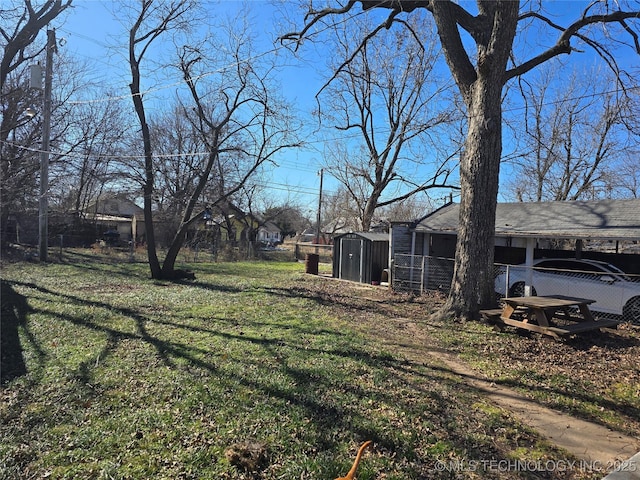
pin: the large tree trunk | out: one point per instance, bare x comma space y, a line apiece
369, 210
154, 263
169, 264
479, 170
152, 255
481, 88
134, 86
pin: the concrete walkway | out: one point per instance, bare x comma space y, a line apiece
598, 446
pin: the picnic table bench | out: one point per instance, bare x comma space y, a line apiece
555, 315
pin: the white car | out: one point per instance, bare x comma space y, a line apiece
614, 291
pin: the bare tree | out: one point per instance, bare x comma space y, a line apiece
20, 23
390, 105
152, 21
92, 144
234, 118
72, 129
628, 179
480, 65
575, 138
340, 212
19, 166
624, 177
408, 210
288, 216
179, 158
239, 120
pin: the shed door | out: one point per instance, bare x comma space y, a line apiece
350, 253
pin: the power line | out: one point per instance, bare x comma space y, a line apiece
318, 141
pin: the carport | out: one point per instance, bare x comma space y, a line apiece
523, 229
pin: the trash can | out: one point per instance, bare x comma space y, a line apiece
311, 263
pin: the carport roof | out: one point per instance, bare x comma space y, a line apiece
601, 219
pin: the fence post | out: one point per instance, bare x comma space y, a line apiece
132, 250
411, 268
506, 287
422, 275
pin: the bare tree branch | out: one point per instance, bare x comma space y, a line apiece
316, 17
387, 99
563, 44
31, 21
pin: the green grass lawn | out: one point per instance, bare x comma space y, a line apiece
127, 377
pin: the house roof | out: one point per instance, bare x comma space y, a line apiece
270, 226
113, 208
603, 219
372, 236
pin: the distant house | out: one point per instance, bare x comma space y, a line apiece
112, 218
230, 224
341, 224
310, 235
116, 217
269, 233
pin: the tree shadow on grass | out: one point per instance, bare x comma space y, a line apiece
14, 315
174, 352
331, 405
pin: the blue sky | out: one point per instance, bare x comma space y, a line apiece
91, 32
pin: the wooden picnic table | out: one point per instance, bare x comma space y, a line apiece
555, 315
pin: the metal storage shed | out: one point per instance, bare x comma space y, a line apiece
360, 256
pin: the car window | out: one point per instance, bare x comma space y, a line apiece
551, 264
572, 268
618, 272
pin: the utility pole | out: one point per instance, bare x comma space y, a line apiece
319, 208
43, 205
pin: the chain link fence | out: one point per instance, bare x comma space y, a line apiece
616, 294
417, 273
70, 247
324, 252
